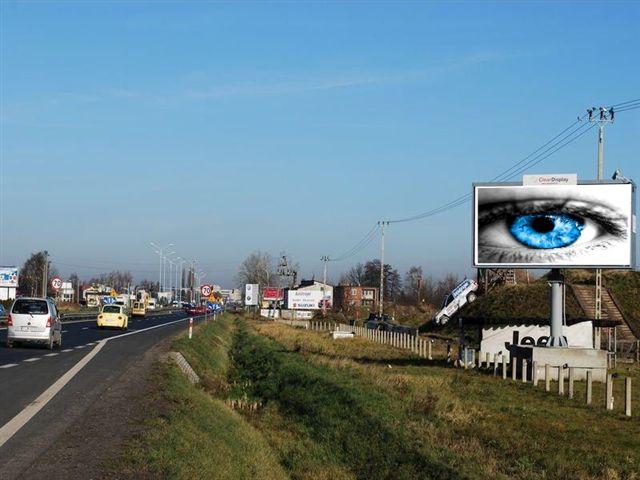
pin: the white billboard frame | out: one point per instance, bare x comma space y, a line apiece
474, 229
8, 271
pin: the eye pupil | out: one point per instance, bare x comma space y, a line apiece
542, 224
549, 230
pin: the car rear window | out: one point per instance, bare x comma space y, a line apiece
111, 309
30, 306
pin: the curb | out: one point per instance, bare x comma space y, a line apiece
182, 363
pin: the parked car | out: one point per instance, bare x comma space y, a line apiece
113, 316
3, 312
34, 320
385, 323
465, 292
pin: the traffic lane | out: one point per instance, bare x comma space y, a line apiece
88, 386
23, 380
73, 335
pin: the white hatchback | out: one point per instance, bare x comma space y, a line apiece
34, 320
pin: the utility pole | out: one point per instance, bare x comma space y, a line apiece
382, 225
325, 259
601, 117
45, 274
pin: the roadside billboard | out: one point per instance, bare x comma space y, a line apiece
308, 299
9, 277
251, 294
272, 293
591, 224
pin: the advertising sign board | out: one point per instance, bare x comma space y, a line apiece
498, 340
591, 224
9, 277
272, 293
251, 294
307, 299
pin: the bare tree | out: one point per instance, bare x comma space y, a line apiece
353, 276
257, 268
31, 273
413, 281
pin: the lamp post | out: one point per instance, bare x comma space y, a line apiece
159, 250
181, 262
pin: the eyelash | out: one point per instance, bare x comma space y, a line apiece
502, 211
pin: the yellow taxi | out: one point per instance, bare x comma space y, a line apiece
113, 316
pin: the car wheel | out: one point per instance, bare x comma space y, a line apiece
471, 297
59, 344
50, 343
444, 319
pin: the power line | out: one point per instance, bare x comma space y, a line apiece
358, 247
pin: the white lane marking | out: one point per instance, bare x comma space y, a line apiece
9, 365
51, 354
67, 350
85, 328
33, 359
79, 347
65, 331
10, 428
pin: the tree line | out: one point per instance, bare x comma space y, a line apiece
413, 289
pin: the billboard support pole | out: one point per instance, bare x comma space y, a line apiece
556, 281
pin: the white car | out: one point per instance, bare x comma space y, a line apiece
461, 295
34, 320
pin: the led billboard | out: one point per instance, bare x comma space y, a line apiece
545, 226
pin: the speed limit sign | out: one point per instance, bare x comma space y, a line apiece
56, 283
205, 290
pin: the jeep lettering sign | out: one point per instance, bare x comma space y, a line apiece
498, 340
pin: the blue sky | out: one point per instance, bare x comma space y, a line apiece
231, 127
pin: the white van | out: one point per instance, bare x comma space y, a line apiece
152, 304
34, 320
464, 293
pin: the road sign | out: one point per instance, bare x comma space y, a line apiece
56, 283
205, 290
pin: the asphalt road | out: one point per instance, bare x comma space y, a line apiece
27, 372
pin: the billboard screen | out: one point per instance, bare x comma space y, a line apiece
308, 299
272, 293
9, 277
545, 226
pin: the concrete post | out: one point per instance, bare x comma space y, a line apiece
524, 370
495, 364
609, 392
556, 281
488, 357
589, 386
514, 367
479, 360
571, 379
448, 352
627, 396
560, 380
430, 349
534, 373
464, 358
547, 377
504, 367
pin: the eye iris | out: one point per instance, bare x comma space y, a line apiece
554, 230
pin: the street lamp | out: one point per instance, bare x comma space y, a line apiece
181, 262
159, 251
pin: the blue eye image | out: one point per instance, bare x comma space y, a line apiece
548, 230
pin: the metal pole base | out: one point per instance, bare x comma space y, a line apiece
557, 342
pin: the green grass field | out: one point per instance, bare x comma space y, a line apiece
354, 409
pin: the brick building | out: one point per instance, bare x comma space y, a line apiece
346, 297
